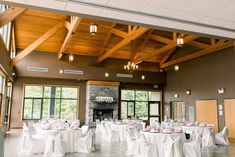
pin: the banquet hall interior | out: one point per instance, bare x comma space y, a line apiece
117, 78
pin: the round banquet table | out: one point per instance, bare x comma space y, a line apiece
167, 145
69, 136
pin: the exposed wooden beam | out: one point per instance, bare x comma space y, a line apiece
73, 27
134, 35
142, 44
108, 37
174, 36
164, 49
220, 42
35, 44
213, 41
199, 44
10, 14
169, 54
161, 39
201, 53
119, 33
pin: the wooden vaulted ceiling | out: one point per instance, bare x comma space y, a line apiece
63, 34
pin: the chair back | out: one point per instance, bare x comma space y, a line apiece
198, 141
85, 129
225, 130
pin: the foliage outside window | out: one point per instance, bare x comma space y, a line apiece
50, 101
136, 103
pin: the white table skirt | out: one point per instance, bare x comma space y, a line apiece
167, 145
69, 136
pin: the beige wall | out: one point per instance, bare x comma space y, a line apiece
203, 76
17, 100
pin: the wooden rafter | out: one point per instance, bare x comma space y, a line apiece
164, 49
132, 36
161, 39
35, 44
142, 44
199, 44
119, 33
169, 54
108, 37
211, 49
72, 27
174, 36
10, 14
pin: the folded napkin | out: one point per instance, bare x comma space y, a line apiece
46, 126
177, 129
167, 131
202, 124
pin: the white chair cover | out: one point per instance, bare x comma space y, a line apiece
193, 149
208, 138
31, 145
132, 145
54, 145
99, 128
145, 149
85, 129
221, 137
85, 144
110, 135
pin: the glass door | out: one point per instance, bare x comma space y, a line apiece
154, 112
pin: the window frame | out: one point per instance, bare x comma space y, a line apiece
148, 101
48, 98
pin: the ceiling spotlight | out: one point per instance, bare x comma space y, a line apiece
71, 58
176, 67
180, 41
106, 74
142, 77
176, 95
61, 71
188, 92
93, 29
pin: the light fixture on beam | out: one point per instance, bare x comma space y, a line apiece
131, 66
71, 58
93, 29
61, 71
143, 77
177, 68
180, 41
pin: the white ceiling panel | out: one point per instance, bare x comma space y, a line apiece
83, 9
227, 13
207, 7
127, 5
116, 15
100, 2
172, 4
158, 11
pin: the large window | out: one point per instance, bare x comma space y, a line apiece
50, 101
5, 30
140, 104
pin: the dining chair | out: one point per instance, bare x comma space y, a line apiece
193, 148
221, 138
85, 143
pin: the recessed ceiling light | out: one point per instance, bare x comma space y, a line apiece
61, 71
142, 77
71, 58
177, 68
106, 74
93, 29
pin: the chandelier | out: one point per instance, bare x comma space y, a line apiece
131, 66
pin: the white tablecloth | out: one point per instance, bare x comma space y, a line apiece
69, 136
167, 145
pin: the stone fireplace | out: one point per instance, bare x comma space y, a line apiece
101, 101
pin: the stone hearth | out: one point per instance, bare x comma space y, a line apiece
106, 91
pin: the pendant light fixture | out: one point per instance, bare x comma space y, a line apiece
180, 41
131, 66
71, 58
93, 28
